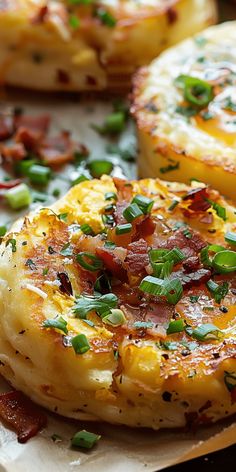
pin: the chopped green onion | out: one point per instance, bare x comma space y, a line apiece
218, 291
79, 179
144, 203
74, 21
132, 212
173, 205
115, 318
101, 304
86, 229
230, 380
109, 245
204, 255
206, 332
18, 197
143, 324
194, 298
56, 192
197, 92
12, 243
82, 260
162, 269
108, 220
114, 124
3, 230
230, 238
100, 167
174, 255
102, 284
106, 17
224, 262
170, 288
85, 439
122, 229
23, 167
169, 345
220, 211
110, 196
62, 216
80, 344
67, 250
39, 175
176, 326
56, 323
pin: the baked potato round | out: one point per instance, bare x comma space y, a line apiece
90, 45
184, 105
118, 304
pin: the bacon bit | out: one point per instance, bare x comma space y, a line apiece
118, 215
190, 247
145, 228
9, 184
22, 414
31, 130
40, 15
124, 189
201, 276
207, 219
172, 15
60, 149
14, 152
6, 127
65, 286
191, 264
137, 257
198, 197
206, 405
112, 263
63, 77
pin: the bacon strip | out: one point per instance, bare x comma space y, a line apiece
22, 414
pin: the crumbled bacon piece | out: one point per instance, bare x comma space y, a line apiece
14, 152
190, 246
40, 16
22, 414
118, 216
65, 286
197, 277
144, 228
112, 263
58, 150
198, 197
6, 127
31, 130
124, 189
9, 184
137, 257
191, 264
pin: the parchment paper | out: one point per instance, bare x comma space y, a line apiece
120, 449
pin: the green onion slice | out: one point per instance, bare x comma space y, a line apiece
86, 229
197, 92
18, 197
110, 196
174, 255
56, 323
176, 326
39, 175
230, 380
206, 332
224, 262
162, 269
144, 203
205, 257
80, 344
170, 288
85, 439
132, 212
143, 324
123, 229
230, 238
82, 258
3, 230
99, 167
115, 318
218, 291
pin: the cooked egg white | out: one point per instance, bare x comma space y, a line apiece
145, 385
63, 46
178, 140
